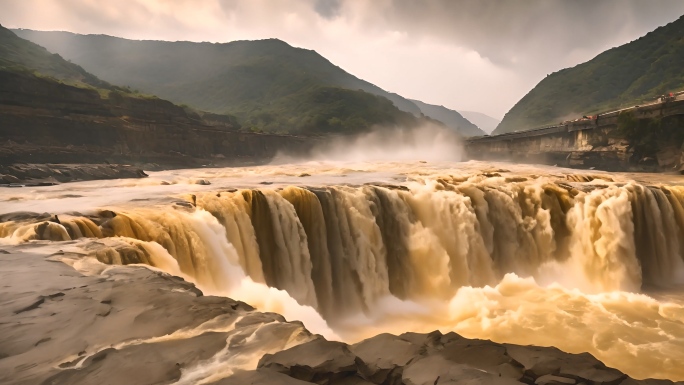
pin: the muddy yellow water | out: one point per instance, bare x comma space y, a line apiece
584, 261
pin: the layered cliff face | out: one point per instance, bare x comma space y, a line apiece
43, 120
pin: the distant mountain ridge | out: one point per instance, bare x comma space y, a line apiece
622, 76
258, 81
449, 117
483, 121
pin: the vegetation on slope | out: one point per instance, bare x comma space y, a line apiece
271, 68
19, 54
22, 59
268, 84
328, 110
630, 74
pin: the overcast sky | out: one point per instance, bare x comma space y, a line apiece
480, 55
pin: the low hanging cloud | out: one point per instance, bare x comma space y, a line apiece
480, 55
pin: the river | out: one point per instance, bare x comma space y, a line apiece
586, 261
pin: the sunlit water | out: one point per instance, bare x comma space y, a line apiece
585, 261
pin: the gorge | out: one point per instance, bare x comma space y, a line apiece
182, 206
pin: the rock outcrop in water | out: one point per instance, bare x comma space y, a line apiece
133, 325
46, 174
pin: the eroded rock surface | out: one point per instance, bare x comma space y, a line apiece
102, 324
436, 358
123, 325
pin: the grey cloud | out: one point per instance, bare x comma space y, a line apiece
329, 9
510, 32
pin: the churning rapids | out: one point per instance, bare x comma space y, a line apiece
584, 261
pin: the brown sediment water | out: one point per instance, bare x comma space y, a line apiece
584, 261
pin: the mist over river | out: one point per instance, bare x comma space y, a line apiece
585, 261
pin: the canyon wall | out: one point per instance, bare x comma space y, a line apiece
45, 121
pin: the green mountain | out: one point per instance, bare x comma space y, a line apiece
29, 69
622, 76
268, 84
20, 54
449, 117
330, 110
313, 109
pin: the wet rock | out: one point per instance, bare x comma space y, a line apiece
147, 363
430, 340
491, 174
540, 361
417, 359
202, 182
554, 380
123, 333
482, 355
515, 179
437, 369
389, 186
50, 314
319, 361
385, 355
259, 377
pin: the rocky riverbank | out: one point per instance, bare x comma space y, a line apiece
64, 325
22, 174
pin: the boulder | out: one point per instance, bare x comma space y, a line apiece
318, 361
539, 362
385, 356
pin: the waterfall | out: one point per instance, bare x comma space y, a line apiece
530, 257
342, 249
